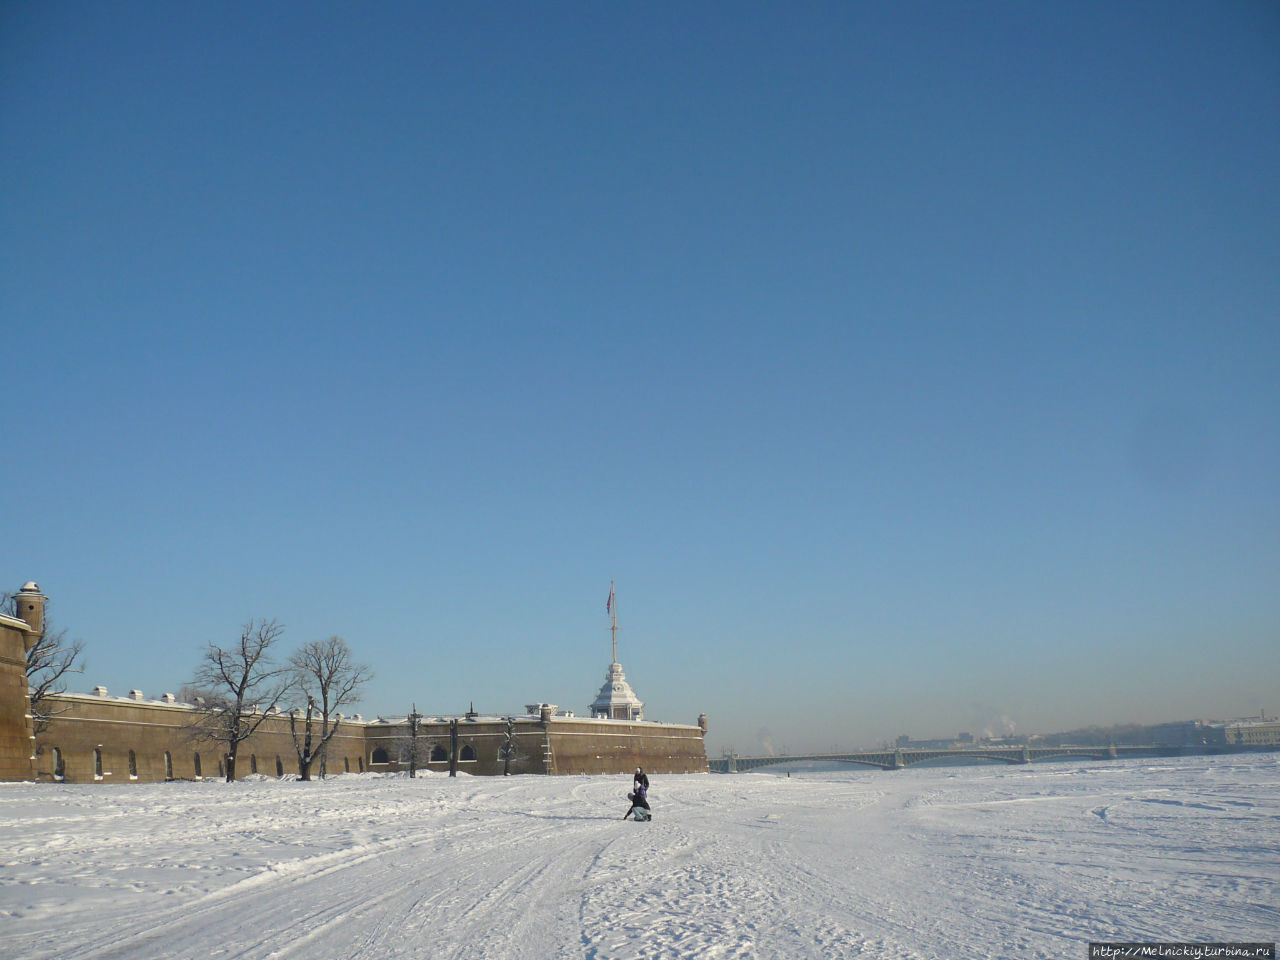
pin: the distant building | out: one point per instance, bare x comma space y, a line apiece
1261, 732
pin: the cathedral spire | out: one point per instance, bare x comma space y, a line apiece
616, 700
611, 608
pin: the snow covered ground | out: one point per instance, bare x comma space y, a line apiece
946, 862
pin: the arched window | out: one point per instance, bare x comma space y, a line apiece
468, 753
253, 763
379, 756
195, 758
439, 754
168, 765
133, 765
97, 763
59, 765
279, 768
346, 764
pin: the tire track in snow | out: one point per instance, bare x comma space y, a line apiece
673, 893
467, 914
233, 907
376, 890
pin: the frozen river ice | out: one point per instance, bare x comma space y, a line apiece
986, 861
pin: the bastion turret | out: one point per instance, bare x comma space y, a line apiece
20, 627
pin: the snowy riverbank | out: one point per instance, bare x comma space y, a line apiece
947, 862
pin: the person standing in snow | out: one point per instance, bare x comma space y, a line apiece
640, 780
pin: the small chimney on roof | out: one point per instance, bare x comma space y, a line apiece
99, 691
135, 694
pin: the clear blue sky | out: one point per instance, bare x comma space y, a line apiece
909, 366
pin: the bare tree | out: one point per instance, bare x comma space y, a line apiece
509, 750
323, 673
49, 662
413, 748
241, 684
303, 740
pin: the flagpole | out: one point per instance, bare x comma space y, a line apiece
613, 626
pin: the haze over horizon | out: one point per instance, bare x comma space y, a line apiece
911, 369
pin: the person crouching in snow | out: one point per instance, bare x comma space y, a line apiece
637, 798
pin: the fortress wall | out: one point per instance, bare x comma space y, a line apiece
272, 748
560, 746
485, 736
114, 726
619, 746
15, 722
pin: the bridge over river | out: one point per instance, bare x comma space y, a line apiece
896, 759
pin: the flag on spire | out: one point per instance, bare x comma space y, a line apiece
608, 607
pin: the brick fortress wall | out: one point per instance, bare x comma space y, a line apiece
95, 738
102, 739
554, 745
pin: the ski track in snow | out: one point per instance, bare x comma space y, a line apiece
913, 864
